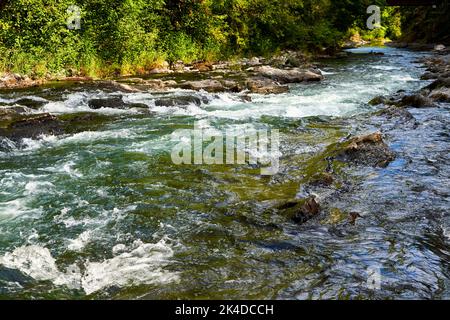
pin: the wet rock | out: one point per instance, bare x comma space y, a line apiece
232, 86
113, 102
396, 112
378, 100
366, 150
155, 84
300, 210
30, 103
289, 76
353, 216
179, 101
439, 83
245, 98
323, 179
207, 85
388, 100
77, 122
429, 76
440, 95
265, 86
16, 126
416, 101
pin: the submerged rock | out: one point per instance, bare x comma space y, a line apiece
300, 210
366, 150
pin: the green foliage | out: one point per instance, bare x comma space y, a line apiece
133, 36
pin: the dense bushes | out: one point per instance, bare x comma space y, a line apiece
132, 36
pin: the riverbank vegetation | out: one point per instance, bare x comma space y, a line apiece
120, 37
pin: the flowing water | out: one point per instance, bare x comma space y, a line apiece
104, 213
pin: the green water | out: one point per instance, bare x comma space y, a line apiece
104, 213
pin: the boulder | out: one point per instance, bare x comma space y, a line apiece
388, 100
17, 126
178, 101
289, 76
113, 102
265, 86
365, 150
439, 83
416, 101
207, 85
440, 95
30, 103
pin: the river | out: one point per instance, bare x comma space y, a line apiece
104, 213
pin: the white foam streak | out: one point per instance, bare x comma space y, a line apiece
143, 264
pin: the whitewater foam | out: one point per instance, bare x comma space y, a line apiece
143, 264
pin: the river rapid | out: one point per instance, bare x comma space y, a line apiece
104, 213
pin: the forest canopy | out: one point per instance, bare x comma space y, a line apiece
132, 36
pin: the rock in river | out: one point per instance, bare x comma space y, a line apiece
179, 101
416, 101
290, 75
365, 150
300, 210
265, 86
115, 102
16, 126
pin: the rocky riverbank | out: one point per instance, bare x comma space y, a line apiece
325, 175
